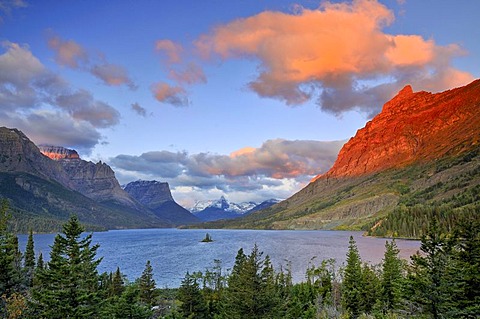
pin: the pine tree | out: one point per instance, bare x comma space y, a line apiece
193, 303
391, 280
147, 285
11, 273
118, 284
29, 259
352, 283
250, 292
69, 286
430, 280
466, 269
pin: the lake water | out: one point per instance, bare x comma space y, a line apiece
173, 252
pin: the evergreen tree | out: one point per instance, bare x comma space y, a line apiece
352, 281
466, 270
250, 292
193, 303
30, 258
370, 287
147, 285
118, 284
126, 306
69, 286
391, 280
430, 280
11, 272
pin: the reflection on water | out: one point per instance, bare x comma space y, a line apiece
173, 252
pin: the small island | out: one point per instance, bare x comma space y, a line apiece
207, 239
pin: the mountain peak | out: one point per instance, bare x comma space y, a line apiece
58, 152
413, 127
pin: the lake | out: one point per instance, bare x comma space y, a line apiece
173, 252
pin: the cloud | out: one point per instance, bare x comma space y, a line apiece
6, 7
174, 95
56, 128
113, 75
181, 72
338, 54
171, 49
192, 74
68, 52
274, 165
71, 54
139, 109
45, 107
82, 106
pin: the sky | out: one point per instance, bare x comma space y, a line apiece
248, 99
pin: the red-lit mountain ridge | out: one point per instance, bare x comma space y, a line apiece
422, 149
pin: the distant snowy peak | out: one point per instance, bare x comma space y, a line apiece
226, 205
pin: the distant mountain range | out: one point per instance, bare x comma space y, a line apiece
157, 197
212, 210
422, 151
45, 185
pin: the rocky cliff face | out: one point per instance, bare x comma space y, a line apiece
96, 181
413, 127
149, 193
44, 191
58, 152
157, 197
19, 154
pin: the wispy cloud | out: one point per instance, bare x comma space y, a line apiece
68, 52
276, 165
137, 108
183, 73
71, 54
338, 54
113, 75
45, 107
171, 50
174, 95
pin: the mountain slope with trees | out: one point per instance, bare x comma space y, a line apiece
421, 151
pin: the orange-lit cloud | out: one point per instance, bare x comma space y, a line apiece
171, 49
67, 52
166, 93
113, 75
70, 53
333, 54
182, 72
190, 75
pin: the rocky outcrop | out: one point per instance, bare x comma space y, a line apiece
58, 152
40, 189
19, 154
96, 181
157, 197
413, 127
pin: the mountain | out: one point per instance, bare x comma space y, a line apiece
157, 197
223, 209
42, 192
421, 151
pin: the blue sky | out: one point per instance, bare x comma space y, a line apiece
247, 99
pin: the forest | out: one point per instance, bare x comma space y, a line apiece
441, 281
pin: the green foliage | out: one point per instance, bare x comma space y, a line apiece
391, 279
352, 286
251, 290
69, 286
146, 284
193, 304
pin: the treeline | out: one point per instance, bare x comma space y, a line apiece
412, 217
442, 281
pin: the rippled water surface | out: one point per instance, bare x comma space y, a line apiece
173, 252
